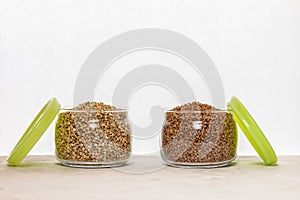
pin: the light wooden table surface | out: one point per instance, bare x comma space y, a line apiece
39, 177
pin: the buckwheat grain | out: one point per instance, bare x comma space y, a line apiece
198, 133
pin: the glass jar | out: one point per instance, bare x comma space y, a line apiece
92, 138
198, 139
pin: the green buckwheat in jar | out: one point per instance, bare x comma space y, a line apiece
92, 134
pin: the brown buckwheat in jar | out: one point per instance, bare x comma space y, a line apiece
198, 135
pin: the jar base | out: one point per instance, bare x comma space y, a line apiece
200, 165
91, 165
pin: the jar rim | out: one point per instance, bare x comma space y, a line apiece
196, 111
66, 109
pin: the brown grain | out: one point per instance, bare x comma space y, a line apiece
198, 133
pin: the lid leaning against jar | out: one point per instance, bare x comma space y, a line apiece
35, 130
252, 131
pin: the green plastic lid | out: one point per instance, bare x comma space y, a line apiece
33, 133
252, 131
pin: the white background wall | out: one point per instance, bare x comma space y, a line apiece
254, 44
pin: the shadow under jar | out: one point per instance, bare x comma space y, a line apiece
198, 138
92, 138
